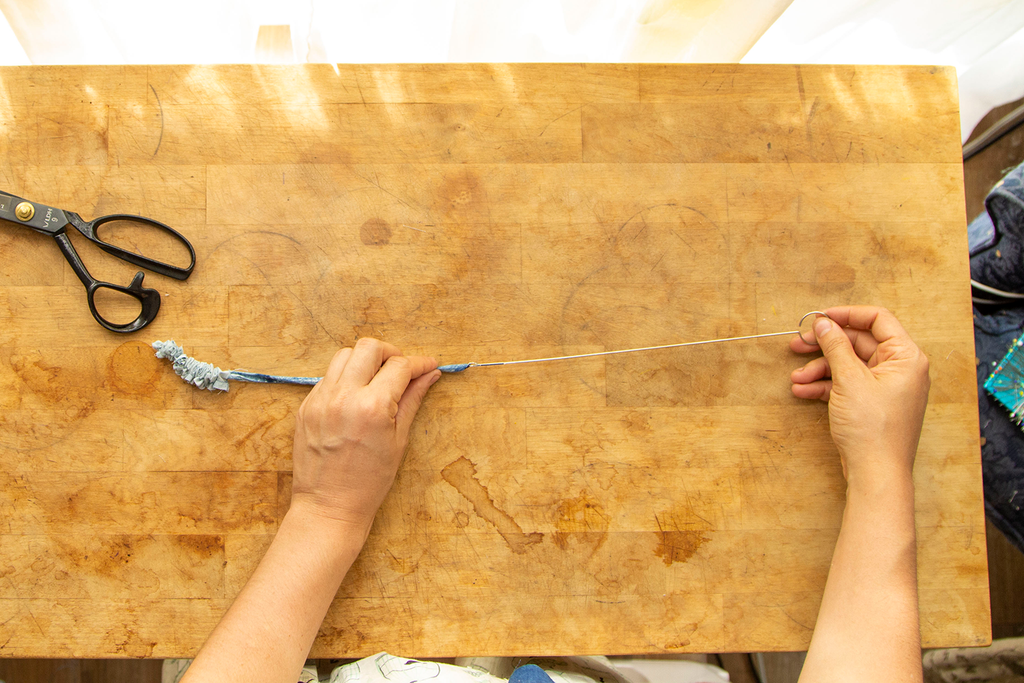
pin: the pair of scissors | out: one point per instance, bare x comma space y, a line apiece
55, 222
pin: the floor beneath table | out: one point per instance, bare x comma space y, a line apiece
1005, 562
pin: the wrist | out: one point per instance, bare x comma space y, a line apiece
882, 508
890, 487
339, 537
878, 466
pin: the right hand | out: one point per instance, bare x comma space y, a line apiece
875, 381
352, 430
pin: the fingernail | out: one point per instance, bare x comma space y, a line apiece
822, 326
435, 378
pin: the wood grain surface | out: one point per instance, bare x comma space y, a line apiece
671, 501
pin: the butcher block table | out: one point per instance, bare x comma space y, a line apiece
661, 502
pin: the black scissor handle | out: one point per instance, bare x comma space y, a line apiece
149, 298
90, 230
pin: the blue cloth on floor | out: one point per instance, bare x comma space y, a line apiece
529, 673
1002, 454
996, 242
996, 238
981, 233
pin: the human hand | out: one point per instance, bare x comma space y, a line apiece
352, 429
875, 381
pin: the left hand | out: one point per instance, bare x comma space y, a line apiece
353, 428
875, 380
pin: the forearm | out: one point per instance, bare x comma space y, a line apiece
867, 626
267, 632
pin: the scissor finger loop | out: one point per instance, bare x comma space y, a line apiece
54, 222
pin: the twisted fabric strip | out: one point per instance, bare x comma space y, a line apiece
207, 376
197, 373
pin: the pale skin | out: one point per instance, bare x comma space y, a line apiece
350, 434
353, 427
875, 380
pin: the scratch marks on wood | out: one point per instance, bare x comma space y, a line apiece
462, 475
807, 123
313, 317
543, 130
161, 138
800, 86
638, 213
701, 214
410, 203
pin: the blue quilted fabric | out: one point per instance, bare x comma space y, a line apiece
996, 242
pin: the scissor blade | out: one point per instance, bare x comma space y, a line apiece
42, 218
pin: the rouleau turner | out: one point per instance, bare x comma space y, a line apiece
208, 376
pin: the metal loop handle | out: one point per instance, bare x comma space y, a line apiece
814, 341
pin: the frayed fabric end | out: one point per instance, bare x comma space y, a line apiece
196, 373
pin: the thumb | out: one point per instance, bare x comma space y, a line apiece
836, 346
411, 400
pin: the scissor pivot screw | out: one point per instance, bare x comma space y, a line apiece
24, 211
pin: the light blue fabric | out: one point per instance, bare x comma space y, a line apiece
996, 237
529, 673
196, 373
260, 378
455, 367
208, 376
981, 233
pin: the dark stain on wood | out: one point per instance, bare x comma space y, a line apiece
49, 383
116, 550
132, 645
461, 196
375, 232
678, 546
132, 368
203, 545
582, 520
462, 475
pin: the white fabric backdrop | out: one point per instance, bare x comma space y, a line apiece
983, 39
